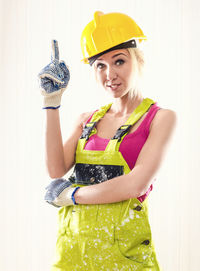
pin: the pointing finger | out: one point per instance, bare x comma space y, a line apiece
55, 50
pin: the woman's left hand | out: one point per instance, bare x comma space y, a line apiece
60, 193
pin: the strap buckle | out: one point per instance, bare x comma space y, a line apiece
87, 130
121, 131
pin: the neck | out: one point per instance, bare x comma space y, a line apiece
124, 106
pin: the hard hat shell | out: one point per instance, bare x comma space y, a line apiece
106, 31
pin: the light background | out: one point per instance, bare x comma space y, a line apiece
28, 225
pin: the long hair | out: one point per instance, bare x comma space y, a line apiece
138, 62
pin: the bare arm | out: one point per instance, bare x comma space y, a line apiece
135, 183
59, 157
70, 144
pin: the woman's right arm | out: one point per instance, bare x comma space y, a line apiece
61, 158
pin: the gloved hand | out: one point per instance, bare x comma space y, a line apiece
60, 192
53, 79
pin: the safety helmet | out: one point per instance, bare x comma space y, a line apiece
107, 32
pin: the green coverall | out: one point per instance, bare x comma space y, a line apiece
106, 237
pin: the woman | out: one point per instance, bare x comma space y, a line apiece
115, 151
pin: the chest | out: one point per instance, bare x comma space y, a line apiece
108, 125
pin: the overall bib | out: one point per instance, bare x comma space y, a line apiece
106, 237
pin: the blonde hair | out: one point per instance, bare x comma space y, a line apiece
138, 62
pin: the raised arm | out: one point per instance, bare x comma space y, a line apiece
59, 157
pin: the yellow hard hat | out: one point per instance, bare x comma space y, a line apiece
106, 31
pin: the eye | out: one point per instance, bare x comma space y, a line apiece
121, 61
100, 65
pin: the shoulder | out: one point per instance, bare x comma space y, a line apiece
163, 124
164, 117
83, 117
167, 115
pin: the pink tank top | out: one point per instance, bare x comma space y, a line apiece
131, 144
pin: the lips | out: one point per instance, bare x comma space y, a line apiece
114, 86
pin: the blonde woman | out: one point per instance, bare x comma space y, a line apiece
115, 151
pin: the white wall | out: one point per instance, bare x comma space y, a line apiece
28, 224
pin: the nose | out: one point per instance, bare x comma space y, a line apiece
110, 74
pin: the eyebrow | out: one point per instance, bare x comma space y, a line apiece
113, 56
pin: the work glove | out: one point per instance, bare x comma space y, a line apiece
60, 192
53, 79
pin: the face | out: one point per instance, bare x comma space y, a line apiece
114, 71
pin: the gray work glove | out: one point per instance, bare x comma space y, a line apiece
53, 79
60, 192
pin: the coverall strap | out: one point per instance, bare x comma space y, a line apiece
101, 112
89, 128
140, 110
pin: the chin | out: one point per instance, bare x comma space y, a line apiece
119, 94
116, 95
